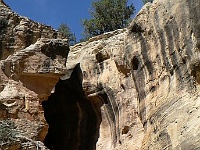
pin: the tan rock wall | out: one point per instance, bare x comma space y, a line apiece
135, 88
27, 77
107, 80
19, 32
167, 51
152, 70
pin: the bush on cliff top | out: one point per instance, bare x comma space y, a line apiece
107, 15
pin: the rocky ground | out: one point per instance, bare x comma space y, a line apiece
130, 89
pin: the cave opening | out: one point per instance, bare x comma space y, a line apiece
100, 57
73, 121
135, 63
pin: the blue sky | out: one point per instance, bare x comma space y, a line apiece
55, 12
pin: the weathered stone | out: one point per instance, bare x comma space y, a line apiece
17, 32
158, 61
27, 80
45, 61
32, 64
166, 79
130, 89
70, 115
20, 134
109, 86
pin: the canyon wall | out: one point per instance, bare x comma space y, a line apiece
18, 32
133, 89
167, 53
33, 58
149, 75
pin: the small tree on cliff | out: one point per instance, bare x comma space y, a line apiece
107, 15
146, 1
64, 28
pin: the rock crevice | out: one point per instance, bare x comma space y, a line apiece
71, 116
131, 89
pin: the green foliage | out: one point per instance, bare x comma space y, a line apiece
3, 24
146, 1
107, 15
8, 131
64, 28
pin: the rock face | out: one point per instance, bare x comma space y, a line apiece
32, 61
71, 118
45, 60
27, 78
164, 59
133, 89
19, 32
108, 85
148, 78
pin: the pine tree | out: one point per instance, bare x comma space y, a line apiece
146, 1
64, 28
107, 15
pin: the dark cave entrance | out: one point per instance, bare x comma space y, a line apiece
135, 63
73, 121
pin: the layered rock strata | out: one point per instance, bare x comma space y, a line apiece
108, 85
149, 77
71, 118
17, 32
166, 75
27, 78
131, 89
33, 58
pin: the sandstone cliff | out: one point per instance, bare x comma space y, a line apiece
33, 58
133, 89
19, 32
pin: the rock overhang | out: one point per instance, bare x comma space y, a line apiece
162, 55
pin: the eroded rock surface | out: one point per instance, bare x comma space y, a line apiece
17, 32
166, 78
149, 76
130, 89
107, 81
27, 78
71, 118
32, 61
